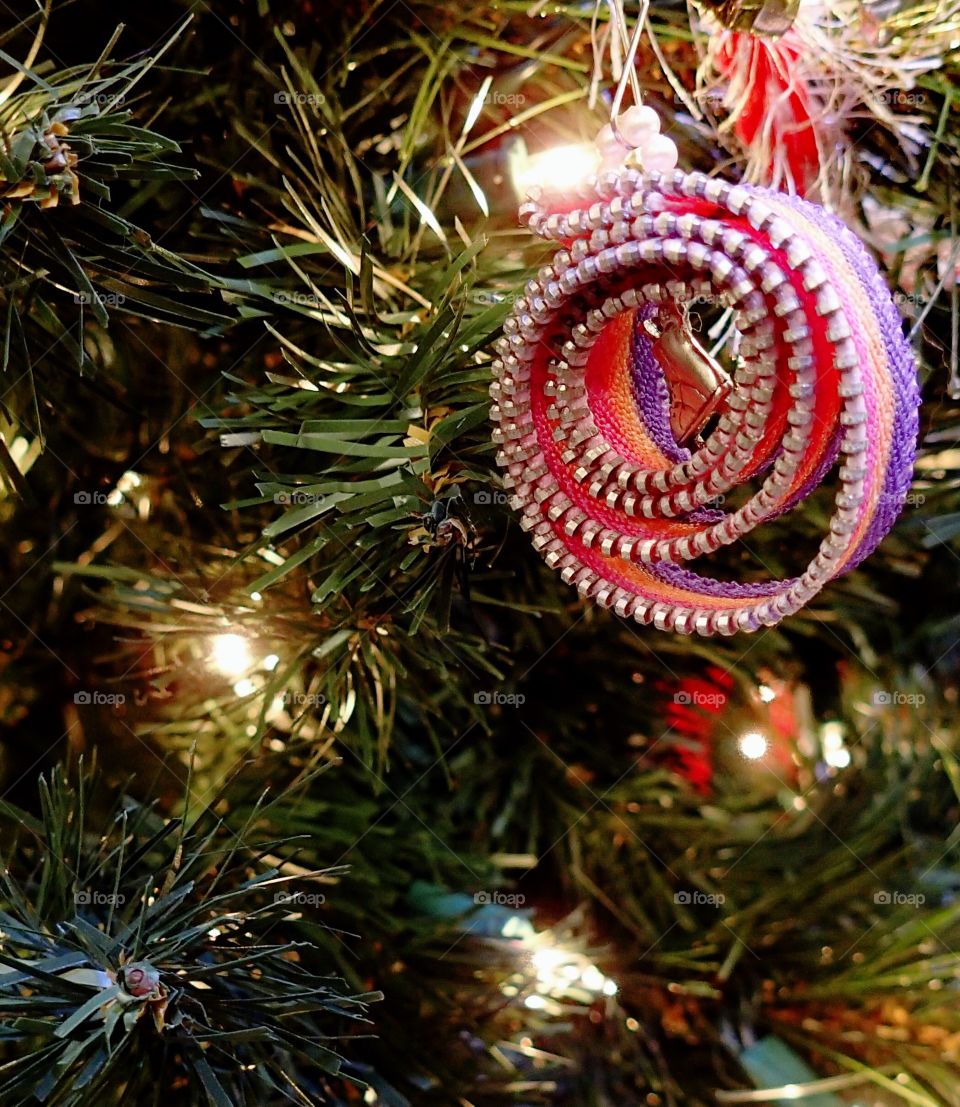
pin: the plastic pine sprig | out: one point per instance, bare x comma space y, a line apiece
140, 956
70, 152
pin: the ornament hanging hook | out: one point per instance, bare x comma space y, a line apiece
630, 44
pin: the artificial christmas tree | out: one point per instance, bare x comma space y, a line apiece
318, 786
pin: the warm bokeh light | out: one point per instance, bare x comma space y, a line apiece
558, 970
753, 745
230, 654
835, 752
557, 168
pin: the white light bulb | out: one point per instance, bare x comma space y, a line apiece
831, 735
129, 481
230, 654
546, 960
753, 745
558, 168
837, 758
593, 979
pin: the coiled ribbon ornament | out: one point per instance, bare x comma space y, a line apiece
598, 389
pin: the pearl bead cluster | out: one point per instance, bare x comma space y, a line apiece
637, 135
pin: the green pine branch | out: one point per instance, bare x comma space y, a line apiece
143, 955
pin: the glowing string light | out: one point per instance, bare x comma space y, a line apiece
560, 167
835, 753
563, 974
753, 745
230, 654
